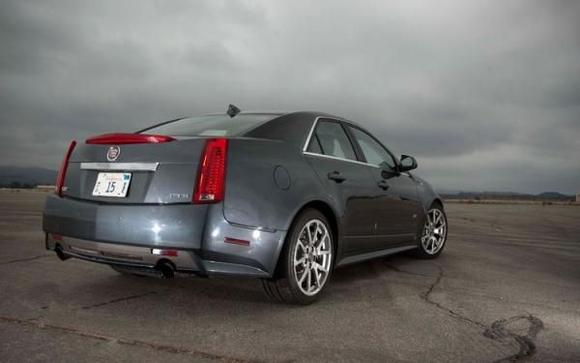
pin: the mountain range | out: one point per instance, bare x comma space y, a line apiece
23, 177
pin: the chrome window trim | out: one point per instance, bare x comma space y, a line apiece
329, 156
340, 159
120, 166
310, 134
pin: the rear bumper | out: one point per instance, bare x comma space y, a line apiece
144, 258
129, 235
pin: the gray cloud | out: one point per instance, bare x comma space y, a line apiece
485, 94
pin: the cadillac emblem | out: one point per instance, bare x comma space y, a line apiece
113, 153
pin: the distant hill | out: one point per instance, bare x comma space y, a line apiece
553, 195
487, 195
19, 177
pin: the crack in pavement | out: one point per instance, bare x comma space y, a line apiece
498, 330
119, 300
427, 297
129, 342
25, 259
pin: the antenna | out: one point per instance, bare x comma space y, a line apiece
233, 110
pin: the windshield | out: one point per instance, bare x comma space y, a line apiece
210, 125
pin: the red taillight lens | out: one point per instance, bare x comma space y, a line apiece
118, 139
62, 171
211, 175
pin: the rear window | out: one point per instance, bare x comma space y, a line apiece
210, 125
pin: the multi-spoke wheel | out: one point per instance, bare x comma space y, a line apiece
306, 263
312, 257
434, 233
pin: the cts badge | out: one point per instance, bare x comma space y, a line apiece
113, 153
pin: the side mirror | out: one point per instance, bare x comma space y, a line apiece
407, 163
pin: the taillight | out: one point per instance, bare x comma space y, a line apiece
119, 139
62, 171
211, 176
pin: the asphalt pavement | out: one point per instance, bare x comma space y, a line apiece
507, 287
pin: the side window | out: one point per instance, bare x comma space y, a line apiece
330, 139
374, 152
314, 146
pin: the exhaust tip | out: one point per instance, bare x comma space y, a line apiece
60, 253
166, 268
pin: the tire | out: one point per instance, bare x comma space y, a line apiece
433, 237
306, 261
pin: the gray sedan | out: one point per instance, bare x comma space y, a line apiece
281, 197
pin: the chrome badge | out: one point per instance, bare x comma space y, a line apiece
113, 153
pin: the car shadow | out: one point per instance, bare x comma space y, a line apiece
234, 290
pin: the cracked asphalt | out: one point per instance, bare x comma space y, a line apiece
507, 288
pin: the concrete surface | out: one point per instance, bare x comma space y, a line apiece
507, 287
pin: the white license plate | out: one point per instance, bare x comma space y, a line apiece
112, 185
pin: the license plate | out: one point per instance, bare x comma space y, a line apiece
112, 185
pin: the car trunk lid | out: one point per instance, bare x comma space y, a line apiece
159, 169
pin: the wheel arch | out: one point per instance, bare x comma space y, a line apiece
437, 200
328, 212
332, 217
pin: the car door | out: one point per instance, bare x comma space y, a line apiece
399, 207
346, 180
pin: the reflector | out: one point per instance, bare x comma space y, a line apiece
160, 252
236, 241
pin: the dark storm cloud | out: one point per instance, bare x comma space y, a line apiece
485, 94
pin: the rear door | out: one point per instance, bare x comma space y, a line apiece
398, 208
332, 156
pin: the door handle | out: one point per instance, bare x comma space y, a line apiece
383, 185
336, 176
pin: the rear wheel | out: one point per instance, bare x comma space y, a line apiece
434, 233
306, 262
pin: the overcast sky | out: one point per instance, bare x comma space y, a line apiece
486, 94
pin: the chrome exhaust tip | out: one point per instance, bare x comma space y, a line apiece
60, 253
166, 268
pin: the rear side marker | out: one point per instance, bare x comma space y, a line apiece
235, 241
56, 237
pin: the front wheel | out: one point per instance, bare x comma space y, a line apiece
434, 233
306, 261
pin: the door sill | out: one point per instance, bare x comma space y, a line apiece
375, 254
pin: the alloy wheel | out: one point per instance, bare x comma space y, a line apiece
434, 232
312, 257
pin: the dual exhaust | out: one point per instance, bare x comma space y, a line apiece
164, 268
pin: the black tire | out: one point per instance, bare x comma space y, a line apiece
423, 251
285, 287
